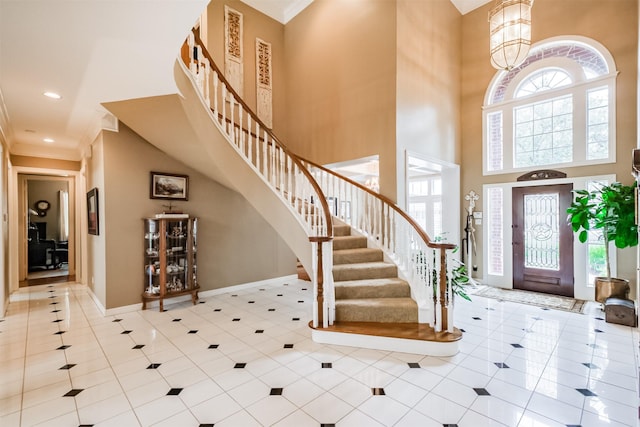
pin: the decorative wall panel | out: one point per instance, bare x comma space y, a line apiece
233, 53
263, 82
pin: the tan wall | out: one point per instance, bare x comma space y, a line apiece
340, 69
44, 163
552, 18
255, 25
96, 277
428, 81
235, 245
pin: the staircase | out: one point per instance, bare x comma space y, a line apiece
367, 288
359, 298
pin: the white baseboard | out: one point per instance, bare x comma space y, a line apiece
203, 294
402, 345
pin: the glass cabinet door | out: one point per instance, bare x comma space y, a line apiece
152, 257
177, 265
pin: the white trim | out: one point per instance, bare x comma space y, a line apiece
402, 345
181, 299
582, 289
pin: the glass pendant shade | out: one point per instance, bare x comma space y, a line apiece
509, 33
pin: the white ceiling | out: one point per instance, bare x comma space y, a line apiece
94, 51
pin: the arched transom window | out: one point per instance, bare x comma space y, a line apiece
555, 109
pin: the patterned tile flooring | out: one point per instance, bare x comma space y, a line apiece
245, 358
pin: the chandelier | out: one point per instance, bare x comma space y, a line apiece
509, 33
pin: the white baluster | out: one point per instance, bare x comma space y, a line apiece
265, 167
249, 155
232, 113
314, 281
240, 114
215, 95
224, 108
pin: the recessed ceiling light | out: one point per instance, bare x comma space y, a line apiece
49, 140
52, 95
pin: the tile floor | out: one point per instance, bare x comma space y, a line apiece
245, 358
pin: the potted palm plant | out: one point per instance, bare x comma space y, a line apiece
610, 209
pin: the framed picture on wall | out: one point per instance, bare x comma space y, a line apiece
93, 223
169, 186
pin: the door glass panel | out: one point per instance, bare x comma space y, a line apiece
541, 231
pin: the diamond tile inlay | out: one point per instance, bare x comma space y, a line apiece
67, 366
482, 392
501, 365
63, 347
414, 365
154, 366
275, 392
288, 346
239, 365
73, 392
327, 365
174, 392
516, 346
214, 346
378, 391
586, 392
137, 346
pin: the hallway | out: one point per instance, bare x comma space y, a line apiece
245, 358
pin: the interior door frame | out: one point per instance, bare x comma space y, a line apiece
17, 240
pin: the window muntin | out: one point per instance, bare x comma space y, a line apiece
545, 79
544, 133
568, 75
598, 123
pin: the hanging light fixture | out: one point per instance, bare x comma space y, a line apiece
510, 33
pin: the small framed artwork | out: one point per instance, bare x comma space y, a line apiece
169, 186
93, 221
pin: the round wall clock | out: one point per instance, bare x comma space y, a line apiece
42, 206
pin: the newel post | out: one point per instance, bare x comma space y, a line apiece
443, 289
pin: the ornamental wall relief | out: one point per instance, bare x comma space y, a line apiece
263, 82
233, 53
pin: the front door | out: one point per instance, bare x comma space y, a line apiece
542, 239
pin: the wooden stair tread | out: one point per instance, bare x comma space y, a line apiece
412, 331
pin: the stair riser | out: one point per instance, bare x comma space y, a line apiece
341, 230
364, 291
364, 273
378, 314
350, 242
356, 258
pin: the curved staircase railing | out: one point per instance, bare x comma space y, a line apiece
422, 261
280, 169
306, 188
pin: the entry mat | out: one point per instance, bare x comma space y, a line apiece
532, 298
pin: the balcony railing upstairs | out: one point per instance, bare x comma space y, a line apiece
281, 171
422, 262
307, 187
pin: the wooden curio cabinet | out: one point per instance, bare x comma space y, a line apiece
170, 262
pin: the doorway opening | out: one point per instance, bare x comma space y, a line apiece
47, 255
435, 210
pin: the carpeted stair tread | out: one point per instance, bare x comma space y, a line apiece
341, 230
365, 270
356, 255
373, 288
349, 242
391, 310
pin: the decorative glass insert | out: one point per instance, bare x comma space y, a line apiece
494, 139
548, 78
598, 123
496, 233
542, 231
543, 133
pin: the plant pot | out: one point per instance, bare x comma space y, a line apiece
611, 287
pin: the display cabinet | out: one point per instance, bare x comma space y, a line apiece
170, 262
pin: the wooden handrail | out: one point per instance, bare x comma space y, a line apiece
419, 230
237, 98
